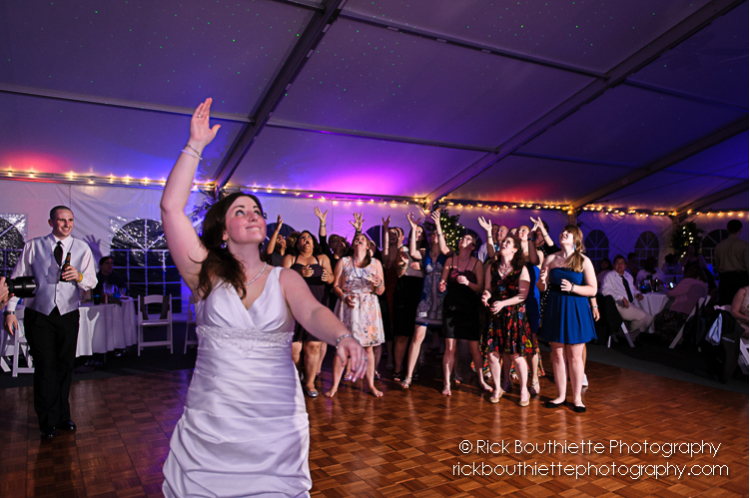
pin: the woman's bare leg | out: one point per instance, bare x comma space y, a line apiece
494, 359
402, 343
450, 351
558, 366
479, 364
338, 369
371, 373
414, 349
323, 350
312, 360
574, 353
523, 376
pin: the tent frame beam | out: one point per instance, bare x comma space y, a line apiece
707, 200
665, 162
676, 35
313, 34
291, 125
111, 102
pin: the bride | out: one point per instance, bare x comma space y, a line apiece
244, 431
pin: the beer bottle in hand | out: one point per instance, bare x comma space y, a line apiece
65, 267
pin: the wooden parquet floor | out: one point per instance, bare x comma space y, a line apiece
407, 443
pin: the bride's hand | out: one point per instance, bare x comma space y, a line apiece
349, 349
200, 133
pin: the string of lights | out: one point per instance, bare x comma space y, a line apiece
357, 199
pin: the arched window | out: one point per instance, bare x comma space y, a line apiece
141, 257
710, 242
597, 247
11, 242
646, 246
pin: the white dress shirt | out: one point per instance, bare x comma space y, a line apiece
612, 286
483, 252
38, 260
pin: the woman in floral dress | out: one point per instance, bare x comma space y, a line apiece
506, 288
358, 281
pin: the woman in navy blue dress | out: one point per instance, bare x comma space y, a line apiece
568, 323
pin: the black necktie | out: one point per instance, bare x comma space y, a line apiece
627, 288
59, 253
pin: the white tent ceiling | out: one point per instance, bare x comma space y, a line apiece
631, 104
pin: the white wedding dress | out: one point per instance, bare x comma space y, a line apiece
244, 431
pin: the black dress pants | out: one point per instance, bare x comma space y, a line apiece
53, 339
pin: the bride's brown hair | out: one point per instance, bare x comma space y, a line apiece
220, 262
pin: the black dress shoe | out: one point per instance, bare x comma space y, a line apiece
67, 426
579, 409
48, 433
550, 404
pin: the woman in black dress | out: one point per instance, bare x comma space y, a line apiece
408, 293
315, 268
463, 278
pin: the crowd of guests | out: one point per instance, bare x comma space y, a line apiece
494, 302
624, 278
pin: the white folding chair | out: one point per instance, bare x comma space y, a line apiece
625, 333
156, 321
190, 321
20, 347
678, 337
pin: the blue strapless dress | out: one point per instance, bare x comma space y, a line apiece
567, 317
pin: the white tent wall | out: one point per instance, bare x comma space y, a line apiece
623, 231
715, 222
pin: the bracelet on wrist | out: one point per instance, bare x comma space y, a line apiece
595, 307
340, 338
194, 150
7, 312
185, 151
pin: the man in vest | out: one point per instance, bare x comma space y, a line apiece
51, 317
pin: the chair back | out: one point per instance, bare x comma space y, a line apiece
166, 309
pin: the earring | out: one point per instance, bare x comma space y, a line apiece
574, 246
224, 245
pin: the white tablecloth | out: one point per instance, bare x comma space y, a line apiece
653, 303
102, 328
106, 327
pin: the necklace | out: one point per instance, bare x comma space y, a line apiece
354, 266
504, 270
258, 275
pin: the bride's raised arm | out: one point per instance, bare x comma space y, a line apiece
185, 246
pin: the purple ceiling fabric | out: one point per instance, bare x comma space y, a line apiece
327, 162
631, 126
530, 179
666, 191
171, 52
371, 79
590, 35
712, 64
53, 136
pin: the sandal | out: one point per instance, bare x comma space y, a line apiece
535, 387
406, 383
397, 377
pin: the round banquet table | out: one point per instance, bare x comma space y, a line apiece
106, 327
102, 328
653, 303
